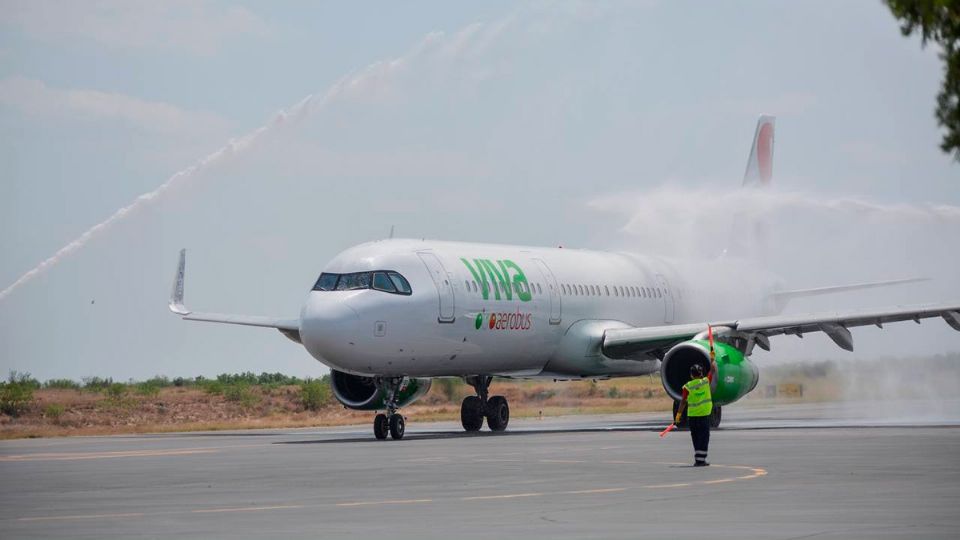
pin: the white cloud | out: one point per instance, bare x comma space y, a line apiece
193, 26
35, 98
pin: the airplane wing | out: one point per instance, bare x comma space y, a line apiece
622, 343
287, 327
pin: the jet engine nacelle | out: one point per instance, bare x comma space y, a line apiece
363, 394
736, 375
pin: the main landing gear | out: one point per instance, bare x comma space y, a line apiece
475, 408
392, 422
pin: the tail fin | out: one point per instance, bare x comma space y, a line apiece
760, 165
747, 235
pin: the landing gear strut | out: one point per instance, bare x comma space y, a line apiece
392, 422
475, 408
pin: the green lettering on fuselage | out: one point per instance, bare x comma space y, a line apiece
500, 280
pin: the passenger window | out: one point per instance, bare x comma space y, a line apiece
606, 289
326, 282
539, 290
401, 282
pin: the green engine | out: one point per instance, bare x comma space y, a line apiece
736, 376
363, 393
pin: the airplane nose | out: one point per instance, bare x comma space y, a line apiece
327, 324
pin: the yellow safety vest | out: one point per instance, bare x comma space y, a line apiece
699, 401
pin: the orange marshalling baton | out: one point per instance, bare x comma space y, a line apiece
670, 428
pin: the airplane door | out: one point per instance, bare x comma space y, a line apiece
555, 308
668, 306
444, 287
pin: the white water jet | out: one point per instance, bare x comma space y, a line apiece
370, 81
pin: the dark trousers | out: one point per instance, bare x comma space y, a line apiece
700, 433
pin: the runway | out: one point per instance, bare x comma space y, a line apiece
792, 471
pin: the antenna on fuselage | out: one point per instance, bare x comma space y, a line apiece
391, 232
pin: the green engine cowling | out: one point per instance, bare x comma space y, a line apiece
736, 375
363, 394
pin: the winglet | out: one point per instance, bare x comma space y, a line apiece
176, 295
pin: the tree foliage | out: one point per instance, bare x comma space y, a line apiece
938, 21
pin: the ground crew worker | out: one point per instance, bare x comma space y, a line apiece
699, 404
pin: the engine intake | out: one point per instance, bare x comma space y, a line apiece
363, 394
736, 376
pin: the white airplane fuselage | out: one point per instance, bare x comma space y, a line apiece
504, 310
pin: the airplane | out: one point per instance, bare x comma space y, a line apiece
388, 316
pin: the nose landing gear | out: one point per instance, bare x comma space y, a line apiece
392, 422
475, 408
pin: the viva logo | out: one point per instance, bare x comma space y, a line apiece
504, 277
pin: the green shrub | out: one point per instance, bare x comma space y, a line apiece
241, 393
24, 379
613, 392
148, 389
96, 384
15, 397
450, 387
159, 381
54, 411
212, 387
314, 394
116, 391
62, 384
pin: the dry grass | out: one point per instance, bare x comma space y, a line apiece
56, 412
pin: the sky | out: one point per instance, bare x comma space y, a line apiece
267, 137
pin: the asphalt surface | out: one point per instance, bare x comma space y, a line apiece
794, 471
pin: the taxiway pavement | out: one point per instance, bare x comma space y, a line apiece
788, 471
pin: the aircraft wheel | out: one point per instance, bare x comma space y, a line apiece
397, 426
498, 413
715, 417
471, 413
683, 418
380, 426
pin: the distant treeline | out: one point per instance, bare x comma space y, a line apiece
16, 393
99, 384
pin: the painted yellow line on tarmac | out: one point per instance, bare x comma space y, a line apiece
721, 481
245, 509
395, 501
593, 491
82, 516
77, 456
755, 472
508, 496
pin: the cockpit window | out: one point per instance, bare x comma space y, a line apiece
400, 282
383, 280
352, 282
382, 283
327, 282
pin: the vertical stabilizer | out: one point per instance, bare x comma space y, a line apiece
760, 165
